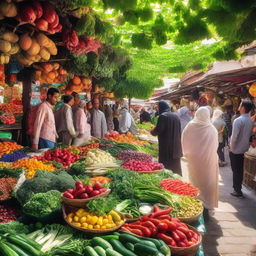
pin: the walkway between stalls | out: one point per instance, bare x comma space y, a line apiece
231, 231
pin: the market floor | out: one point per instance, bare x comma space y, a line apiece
231, 231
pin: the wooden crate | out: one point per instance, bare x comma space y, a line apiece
250, 164
249, 180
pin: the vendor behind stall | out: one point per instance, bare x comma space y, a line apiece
44, 127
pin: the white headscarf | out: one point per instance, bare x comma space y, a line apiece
216, 114
202, 117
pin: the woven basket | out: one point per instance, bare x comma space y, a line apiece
81, 203
68, 209
187, 251
193, 218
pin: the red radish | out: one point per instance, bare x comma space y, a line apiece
68, 195
94, 193
97, 186
88, 189
103, 190
84, 196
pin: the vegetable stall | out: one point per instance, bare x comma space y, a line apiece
104, 198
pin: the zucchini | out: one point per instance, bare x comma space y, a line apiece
100, 250
101, 242
148, 243
111, 252
23, 245
164, 249
142, 249
6, 250
89, 251
157, 242
29, 241
16, 249
118, 246
129, 246
127, 238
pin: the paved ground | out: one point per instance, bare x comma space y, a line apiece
231, 231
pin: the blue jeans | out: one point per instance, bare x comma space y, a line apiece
43, 143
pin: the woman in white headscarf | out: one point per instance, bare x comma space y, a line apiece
219, 123
185, 116
200, 143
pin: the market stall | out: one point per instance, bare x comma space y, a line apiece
108, 197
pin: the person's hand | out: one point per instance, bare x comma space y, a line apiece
35, 147
229, 149
79, 136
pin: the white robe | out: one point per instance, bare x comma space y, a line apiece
200, 144
99, 124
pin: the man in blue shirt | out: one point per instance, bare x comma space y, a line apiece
239, 144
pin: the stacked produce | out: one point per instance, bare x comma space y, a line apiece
180, 187
41, 15
79, 84
142, 166
8, 46
4, 165
7, 119
90, 146
82, 191
83, 219
101, 179
98, 156
128, 155
160, 225
11, 108
63, 156
13, 156
6, 187
32, 166
126, 138
74, 150
8, 147
7, 213
48, 73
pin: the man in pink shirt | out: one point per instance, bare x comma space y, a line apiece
44, 128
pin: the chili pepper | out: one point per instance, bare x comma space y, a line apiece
175, 236
185, 231
156, 208
159, 213
168, 217
146, 231
167, 239
180, 234
135, 231
162, 226
171, 225
154, 221
181, 244
176, 220
151, 226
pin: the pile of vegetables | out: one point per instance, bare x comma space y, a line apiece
83, 219
126, 244
160, 225
63, 156
98, 156
7, 119
13, 156
18, 244
7, 147
7, 213
128, 155
31, 166
142, 166
124, 138
180, 187
82, 191
11, 108
6, 187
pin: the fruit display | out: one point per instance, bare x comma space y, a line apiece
50, 73
7, 119
180, 187
63, 156
128, 155
84, 191
79, 84
160, 225
11, 108
124, 138
31, 166
8, 9
7, 147
35, 48
42, 15
141, 166
86, 220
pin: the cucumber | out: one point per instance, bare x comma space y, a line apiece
148, 243
129, 246
164, 249
157, 242
127, 238
5, 250
29, 241
100, 250
101, 242
89, 251
111, 252
118, 246
23, 245
142, 249
16, 249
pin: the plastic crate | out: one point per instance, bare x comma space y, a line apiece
249, 180
5, 135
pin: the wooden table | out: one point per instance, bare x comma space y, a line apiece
15, 128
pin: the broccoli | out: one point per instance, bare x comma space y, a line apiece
41, 205
43, 182
13, 227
